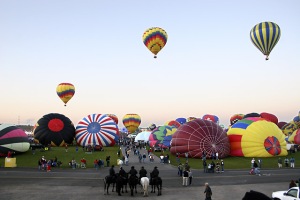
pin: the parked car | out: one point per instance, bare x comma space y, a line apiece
291, 194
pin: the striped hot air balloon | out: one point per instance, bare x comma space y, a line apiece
265, 36
65, 91
155, 39
97, 129
131, 122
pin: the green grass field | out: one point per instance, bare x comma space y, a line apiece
27, 159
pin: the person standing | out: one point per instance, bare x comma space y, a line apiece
204, 166
186, 156
185, 178
279, 162
107, 161
286, 162
180, 169
66, 147
222, 165
252, 163
208, 192
259, 163
292, 162
190, 177
217, 155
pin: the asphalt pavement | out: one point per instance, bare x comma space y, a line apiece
28, 183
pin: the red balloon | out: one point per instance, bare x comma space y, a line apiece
198, 136
270, 117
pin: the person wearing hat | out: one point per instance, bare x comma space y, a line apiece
155, 172
132, 172
143, 172
112, 172
122, 172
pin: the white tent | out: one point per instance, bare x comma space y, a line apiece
144, 136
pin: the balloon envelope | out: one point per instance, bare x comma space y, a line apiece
256, 137
265, 36
55, 129
198, 136
13, 139
65, 91
181, 120
96, 129
173, 123
212, 118
142, 136
131, 122
155, 39
162, 136
114, 117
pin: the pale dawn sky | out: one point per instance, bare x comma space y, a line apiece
208, 66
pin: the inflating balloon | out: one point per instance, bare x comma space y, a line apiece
97, 129
13, 139
265, 36
55, 129
155, 39
256, 137
198, 136
65, 91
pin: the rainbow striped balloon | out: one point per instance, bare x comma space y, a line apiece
155, 39
131, 122
265, 36
65, 91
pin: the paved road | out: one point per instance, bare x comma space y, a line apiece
23, 183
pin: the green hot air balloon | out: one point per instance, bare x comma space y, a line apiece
265, 36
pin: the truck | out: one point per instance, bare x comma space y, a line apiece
291, 194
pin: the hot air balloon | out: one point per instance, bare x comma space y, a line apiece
114, 117
173, 123
55, 129
198, 136
270, 117
65, 91
13, 139
295, 137
162, 136
155, 39
236, 117
213, 118
181, 120
131, 122
96, 129
142, 136
265, 36
256, 137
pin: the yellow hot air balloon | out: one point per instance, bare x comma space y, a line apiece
155, 39
131, 122
265, 36
65, 91
256, 137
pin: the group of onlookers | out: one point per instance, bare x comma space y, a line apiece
287, 162
44, 164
